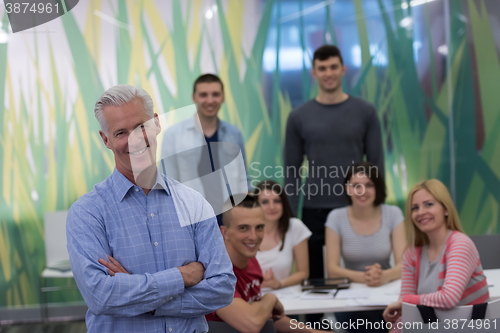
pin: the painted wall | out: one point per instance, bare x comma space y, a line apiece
430, 69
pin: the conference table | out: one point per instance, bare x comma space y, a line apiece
358, 297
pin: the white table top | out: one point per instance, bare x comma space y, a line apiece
383, 295
290, 297
53, 273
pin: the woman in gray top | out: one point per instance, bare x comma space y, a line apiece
364, 234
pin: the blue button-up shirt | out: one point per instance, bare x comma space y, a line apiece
150, 236
182, 153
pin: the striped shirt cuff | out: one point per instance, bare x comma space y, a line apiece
412, 299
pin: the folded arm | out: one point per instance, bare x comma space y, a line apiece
164, 292
121, 295
209, 296
216, 290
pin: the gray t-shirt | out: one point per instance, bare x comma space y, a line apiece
359, 251
428, 277
333, 137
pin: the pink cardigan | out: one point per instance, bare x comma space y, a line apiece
461, 276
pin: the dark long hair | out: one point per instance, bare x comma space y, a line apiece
284, 221
371, 171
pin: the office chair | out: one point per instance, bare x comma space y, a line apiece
56, 257
488, 247
423, 319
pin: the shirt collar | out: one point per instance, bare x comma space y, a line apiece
121, 185
192, 122
221, 126
161, 184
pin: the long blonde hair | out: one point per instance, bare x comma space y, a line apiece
415, 237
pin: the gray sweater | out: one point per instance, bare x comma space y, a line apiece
333, 137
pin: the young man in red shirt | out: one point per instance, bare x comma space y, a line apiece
243, 230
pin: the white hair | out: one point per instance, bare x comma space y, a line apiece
118, 96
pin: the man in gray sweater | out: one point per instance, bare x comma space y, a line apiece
334, 131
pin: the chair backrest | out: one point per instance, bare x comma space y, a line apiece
488, 247
411, 315
55, 238
222, 327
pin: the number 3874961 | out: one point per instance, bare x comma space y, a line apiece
31, 7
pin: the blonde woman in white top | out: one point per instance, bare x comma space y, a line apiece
285, 239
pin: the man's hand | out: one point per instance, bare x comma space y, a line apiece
192, 273
113, 266
278, 310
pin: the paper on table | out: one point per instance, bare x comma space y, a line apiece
371, 301
354, 293
393, 290
288, 292
377, 297
318, 294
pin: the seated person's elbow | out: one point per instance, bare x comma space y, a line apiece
332, 272
243, 317
254, 323
254, 326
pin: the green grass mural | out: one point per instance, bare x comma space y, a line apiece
51, 153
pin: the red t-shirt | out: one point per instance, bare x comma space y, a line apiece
248, 282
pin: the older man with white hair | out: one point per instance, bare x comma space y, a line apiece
146, 251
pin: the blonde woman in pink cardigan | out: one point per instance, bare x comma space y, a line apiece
441, 267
